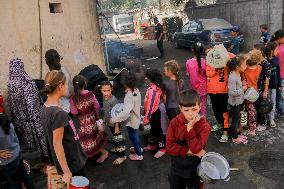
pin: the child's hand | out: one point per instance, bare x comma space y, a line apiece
192, 123
5, 154
116, 128
264, 94
245, 87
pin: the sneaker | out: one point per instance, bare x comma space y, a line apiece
273, 124
260, 128
160, 153
147, 127
135, 157
224, 139
215, 127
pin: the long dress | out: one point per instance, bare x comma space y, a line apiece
26, 106
86, 110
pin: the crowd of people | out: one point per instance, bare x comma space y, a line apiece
68, 125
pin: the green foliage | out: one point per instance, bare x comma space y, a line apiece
122, 5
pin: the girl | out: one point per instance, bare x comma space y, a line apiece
84, 105
196, 71
109, 101
11, 162
67, 155
172, 87
132, 103
236, 90
274, 81
153, 113
250, 78
262, 85
217, 88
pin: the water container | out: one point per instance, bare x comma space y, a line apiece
79, 182
251, 95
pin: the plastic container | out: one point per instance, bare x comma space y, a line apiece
79, 182
251, 95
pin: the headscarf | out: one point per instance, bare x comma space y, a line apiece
26, 105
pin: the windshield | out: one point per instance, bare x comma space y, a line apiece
123, 20
212, 24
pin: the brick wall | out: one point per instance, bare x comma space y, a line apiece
248, 14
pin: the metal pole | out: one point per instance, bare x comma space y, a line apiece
106, 49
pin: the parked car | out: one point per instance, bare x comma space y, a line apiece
123, 23
207, 31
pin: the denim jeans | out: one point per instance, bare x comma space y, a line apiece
272, 96
134, 137
15, 174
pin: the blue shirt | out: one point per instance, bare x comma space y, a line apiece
9, 142
265, 37
236, 45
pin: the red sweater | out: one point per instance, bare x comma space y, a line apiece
179, 140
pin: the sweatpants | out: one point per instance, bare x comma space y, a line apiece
234, 114
118, 145
272, 96
219, 106
178, 182
134, 138
156, 131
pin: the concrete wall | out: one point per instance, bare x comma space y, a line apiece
28, 30
248, 14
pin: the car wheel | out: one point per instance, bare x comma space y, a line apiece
176, 44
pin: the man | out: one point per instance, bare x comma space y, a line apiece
159, 37
235, 43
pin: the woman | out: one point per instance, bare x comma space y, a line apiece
25, 104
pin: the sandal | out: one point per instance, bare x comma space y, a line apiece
160, 153
273, 124
224, 139
132, 150
119, 160
103, 157
261, 128
215, 128
135, 157
251, 133
149, 148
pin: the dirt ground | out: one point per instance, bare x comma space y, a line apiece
260, 162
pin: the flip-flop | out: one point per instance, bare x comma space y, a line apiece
103, 157
119, 160
160, 153
132, 150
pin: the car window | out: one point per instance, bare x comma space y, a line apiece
212, 24
193, 27
185, 28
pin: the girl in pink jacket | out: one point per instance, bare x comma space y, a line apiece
153, 113
196, 71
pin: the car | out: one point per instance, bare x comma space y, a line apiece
206, 31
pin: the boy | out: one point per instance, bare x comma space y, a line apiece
265, 36
235, 43
186, 139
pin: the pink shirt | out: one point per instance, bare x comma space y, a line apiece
197, 81
281, 59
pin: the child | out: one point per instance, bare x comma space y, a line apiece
274, 82
250, 78
186, 140
196, 71
236, 90
278, 37
265, 36
217, 88
109, 101
235, 43
172, 88
84, 106
132, 103
262, 85
67, 156
153, 113
11, 162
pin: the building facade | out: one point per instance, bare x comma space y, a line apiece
30, 27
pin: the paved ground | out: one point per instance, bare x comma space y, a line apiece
261, 161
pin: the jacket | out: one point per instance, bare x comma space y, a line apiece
131, 111
180, 141
151, 102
